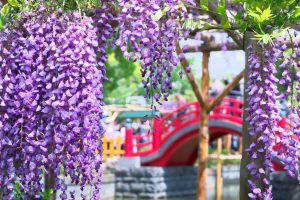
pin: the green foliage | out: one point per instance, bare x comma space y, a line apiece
124, 77
204, 4
14, 3
267, 18
261, 16
196, 24
46, 195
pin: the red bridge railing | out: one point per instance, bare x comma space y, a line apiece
163, 128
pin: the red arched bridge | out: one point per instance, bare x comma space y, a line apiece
174, 139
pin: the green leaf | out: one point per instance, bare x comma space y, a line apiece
255, 15
266, 15
225, 22
243, 27
204, 4
13, 3
196, 24
259, 10
5, 9
266, 38
158, 15
222, 9
297, 13
2, 21
278, 34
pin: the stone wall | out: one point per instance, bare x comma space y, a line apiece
155, 182
284, 187
161, 182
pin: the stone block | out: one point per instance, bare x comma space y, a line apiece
130, 179
122, 187
121, 172
154, 171
150, 188
154, 180
154, 188
119, 179
137, 187
138, 172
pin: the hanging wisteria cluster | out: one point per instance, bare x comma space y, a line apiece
289, 142
51, 74
152, 39
264, 119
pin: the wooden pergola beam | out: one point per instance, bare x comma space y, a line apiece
232, 46
191, 78
233, 34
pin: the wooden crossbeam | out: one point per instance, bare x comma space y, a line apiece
191, 78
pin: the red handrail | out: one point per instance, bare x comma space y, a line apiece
163, 128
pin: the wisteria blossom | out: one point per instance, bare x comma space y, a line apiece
51, 75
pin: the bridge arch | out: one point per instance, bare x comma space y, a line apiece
181, 147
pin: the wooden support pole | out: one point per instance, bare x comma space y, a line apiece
247, 138
219, 181
240, 150
227, 143
204, 131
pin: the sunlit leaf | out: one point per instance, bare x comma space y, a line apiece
5, 9
160, 13
225, 22
13, 3
204, 4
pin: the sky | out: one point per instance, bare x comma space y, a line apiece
220, 63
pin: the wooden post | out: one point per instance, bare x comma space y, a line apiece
247, 138
219, 181
240, 145
203, 132
227, 142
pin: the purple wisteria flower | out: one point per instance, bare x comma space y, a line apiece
152, 40
263, 120
51, 74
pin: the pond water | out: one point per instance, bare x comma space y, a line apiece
230, 192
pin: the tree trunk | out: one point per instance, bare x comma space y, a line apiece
50, 184
247, 139
203, 133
